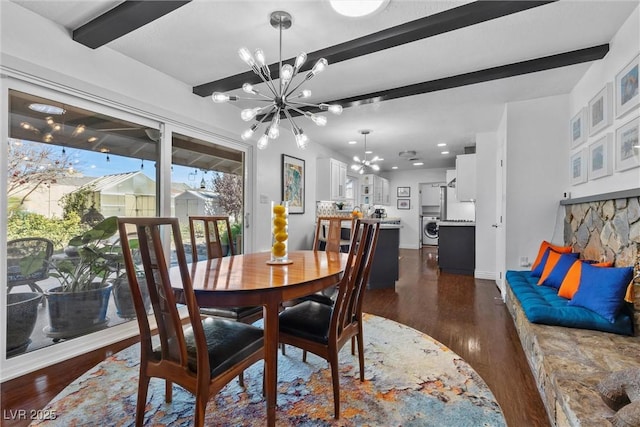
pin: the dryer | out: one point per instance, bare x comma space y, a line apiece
430, 230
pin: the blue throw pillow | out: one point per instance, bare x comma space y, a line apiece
537, 271
557, 275
602, 290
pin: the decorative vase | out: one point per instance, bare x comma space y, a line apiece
279, 232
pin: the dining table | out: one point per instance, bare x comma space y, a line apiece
252, 280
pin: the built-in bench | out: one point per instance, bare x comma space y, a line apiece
569, 363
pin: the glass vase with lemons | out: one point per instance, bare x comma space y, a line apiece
279, 232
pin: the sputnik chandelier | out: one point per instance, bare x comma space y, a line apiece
282, 100
361, 164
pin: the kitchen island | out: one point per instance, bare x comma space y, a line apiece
457, 247
384, 268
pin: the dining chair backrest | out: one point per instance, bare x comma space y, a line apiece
347, 308
329, 230
38, 249
214, 228
155, 236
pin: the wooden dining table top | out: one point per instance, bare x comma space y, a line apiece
240, 276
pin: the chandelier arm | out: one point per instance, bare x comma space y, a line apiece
295, 88
292, 107
306, 104
295, 128
267, 80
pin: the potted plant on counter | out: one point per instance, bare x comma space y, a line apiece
79, 305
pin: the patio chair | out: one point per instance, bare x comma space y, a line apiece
37, 248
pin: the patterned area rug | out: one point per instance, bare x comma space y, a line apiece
410, 380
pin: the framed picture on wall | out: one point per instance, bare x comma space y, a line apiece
404, 191
293, 183
600, 157
578, 167
578, 128
627, 145
599, 112
626, 88
404, 203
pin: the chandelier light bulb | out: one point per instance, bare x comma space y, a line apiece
302, 140
319, 66
260, 59
318, 120
247, 134
287, 74
300, 60
335, 109
246, 56
249, 113
361, 171
375, 167
356, 159
219, 97
263, 142
248, 88
274, 128
305, 94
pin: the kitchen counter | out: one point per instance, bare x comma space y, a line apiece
446, 223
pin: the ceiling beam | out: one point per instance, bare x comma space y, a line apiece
123, 19
429, 26
501, 72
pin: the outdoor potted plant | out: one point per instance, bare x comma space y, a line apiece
122, 290
79, 305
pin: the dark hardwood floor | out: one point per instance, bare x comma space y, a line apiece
465, 314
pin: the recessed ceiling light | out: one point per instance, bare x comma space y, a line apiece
442, 144
418, 163
47, 109
368, 152
380, 159
394, 167
444, 152
357, 8
352, 142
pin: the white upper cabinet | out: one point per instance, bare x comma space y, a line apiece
336, 172
466, 177
375, 190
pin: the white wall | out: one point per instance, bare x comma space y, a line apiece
537, 149
624, 46
486, 146
411, 232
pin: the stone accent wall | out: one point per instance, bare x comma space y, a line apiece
607, 230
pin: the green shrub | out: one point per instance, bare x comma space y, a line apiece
59, 231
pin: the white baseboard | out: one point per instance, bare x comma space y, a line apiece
489, 275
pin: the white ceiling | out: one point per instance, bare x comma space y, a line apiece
198, 43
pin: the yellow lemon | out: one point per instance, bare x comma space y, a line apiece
278, 209
279, 222
278, 249
281, 236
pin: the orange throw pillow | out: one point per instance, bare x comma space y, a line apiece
571, 281
552, 260
543, 247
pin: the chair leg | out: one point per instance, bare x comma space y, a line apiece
353, 346
201, 407
241, 379
168, 391
335, 379
360, 354
304, 356
143, 386
282, 347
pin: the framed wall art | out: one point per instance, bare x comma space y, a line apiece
626, 88
404, 203
404, 191
599, 111
600, 157
578, 128
293, 183
578, 167
627, 145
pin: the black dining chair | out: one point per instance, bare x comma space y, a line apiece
206, 355
324, 329
215, 230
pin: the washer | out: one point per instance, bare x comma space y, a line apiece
430, 230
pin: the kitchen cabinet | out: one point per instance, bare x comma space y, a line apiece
336, 171
385, 268
466, 177
457, 248
375, 190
